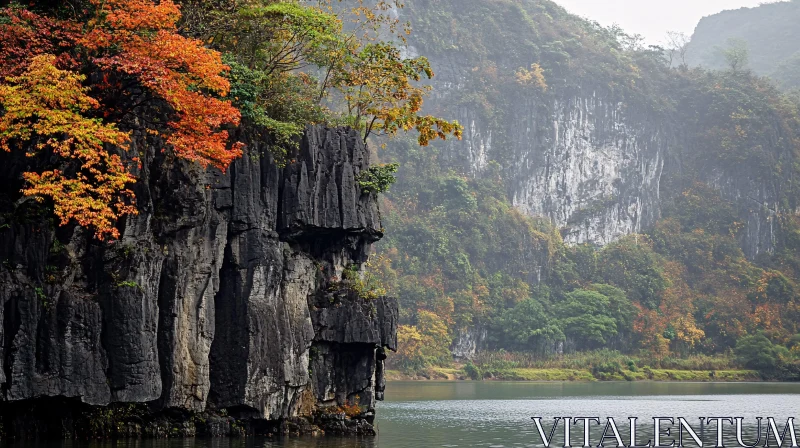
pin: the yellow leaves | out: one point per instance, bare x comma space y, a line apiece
409, 340
379, 86
431, 128
533, 77
676, 313
46, 102
426, 343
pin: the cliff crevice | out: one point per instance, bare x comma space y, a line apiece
208, 304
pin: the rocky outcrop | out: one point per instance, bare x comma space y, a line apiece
589, 167
592, 165
212, 314
468, 341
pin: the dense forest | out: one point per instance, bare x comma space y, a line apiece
480, 278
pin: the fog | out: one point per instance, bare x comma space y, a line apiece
652, 19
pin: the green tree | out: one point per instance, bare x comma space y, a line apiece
619, 306
587, 318
377, 179
757, 352
290, 56
632, 265
527, 325
736, 54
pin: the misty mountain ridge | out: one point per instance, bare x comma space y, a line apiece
770, 32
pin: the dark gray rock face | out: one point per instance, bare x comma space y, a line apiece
211, 299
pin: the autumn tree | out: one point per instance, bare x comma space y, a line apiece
71, 82
47, 104
533, 77
381, 93
342, 63
422, 345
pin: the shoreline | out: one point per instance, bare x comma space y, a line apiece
585, 375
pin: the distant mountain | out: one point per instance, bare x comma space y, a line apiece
772, 35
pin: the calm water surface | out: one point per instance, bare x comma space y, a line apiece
498, 414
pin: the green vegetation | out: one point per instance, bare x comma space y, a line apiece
769, 32
295, 63
544, 375
600, 365
736, 54
675, 300
377, 179
365, 285
128, 284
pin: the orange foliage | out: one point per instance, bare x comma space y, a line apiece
767, 317
27, 35
173, 67
351, 410
675, 313
47, 101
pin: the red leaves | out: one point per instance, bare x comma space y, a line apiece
43, 96
28, 34
178, 70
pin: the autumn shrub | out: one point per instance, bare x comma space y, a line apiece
422, 346
51, 107
350, 409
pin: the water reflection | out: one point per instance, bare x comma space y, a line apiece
498, 415
259, 442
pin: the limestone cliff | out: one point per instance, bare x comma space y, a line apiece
604, 147
218, 311
600, 168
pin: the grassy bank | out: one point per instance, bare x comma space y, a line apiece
602, 365
530, 374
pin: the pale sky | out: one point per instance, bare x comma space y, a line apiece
653, 18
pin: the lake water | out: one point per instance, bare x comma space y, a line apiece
498, 414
